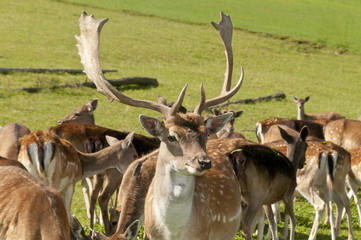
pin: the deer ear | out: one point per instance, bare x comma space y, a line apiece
307, 98
215, 124
294, 98
152, 125
304, 133
237, 114
132, 231
111, 140
128, 140
92, 105
285, 135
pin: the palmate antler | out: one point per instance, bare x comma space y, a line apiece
88, 45
225, 30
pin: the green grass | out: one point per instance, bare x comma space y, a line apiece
333, 22
40, 34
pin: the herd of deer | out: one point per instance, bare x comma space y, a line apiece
184, 182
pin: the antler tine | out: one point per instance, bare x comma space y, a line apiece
225, 30
88, 46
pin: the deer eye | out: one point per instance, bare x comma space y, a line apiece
171, 138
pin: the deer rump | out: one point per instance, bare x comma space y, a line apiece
265, 167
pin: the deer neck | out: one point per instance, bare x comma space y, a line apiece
301, 113
94, 163
173, 198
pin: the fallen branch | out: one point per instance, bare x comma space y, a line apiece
44, 70
279, 95
115, 82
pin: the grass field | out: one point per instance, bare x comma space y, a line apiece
333, 22
178, 48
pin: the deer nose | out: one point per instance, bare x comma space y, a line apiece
205, 163
59, 122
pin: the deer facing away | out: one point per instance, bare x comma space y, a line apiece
29, 209
56, 162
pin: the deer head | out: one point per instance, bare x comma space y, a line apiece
178, 132
82, 114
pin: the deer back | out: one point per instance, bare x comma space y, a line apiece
51, 159
91, 138
344, 132
11, 136
29, 209
263, 126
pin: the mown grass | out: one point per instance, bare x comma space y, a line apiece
41, 33
333, 22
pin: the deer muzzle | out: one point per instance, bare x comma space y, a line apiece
205, 163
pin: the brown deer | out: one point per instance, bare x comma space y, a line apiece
29, 209
301, 115
193, 195
132, 194
344, 132
11, 136
273, 133
322, 181
267, 176
315, 129
263, 126
82, 114
56, 162
91, 138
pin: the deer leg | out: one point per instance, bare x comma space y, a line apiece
319, 205
285, 227
67, 196
277, 215
85, 189
110, 187
327, 215
288, 200
248, 217
342, 202
261, 223
271, 221
353, 192
98, 184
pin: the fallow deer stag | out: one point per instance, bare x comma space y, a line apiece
301, 115
193, 195
82, 114
29, 209
56, 162
11, 136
